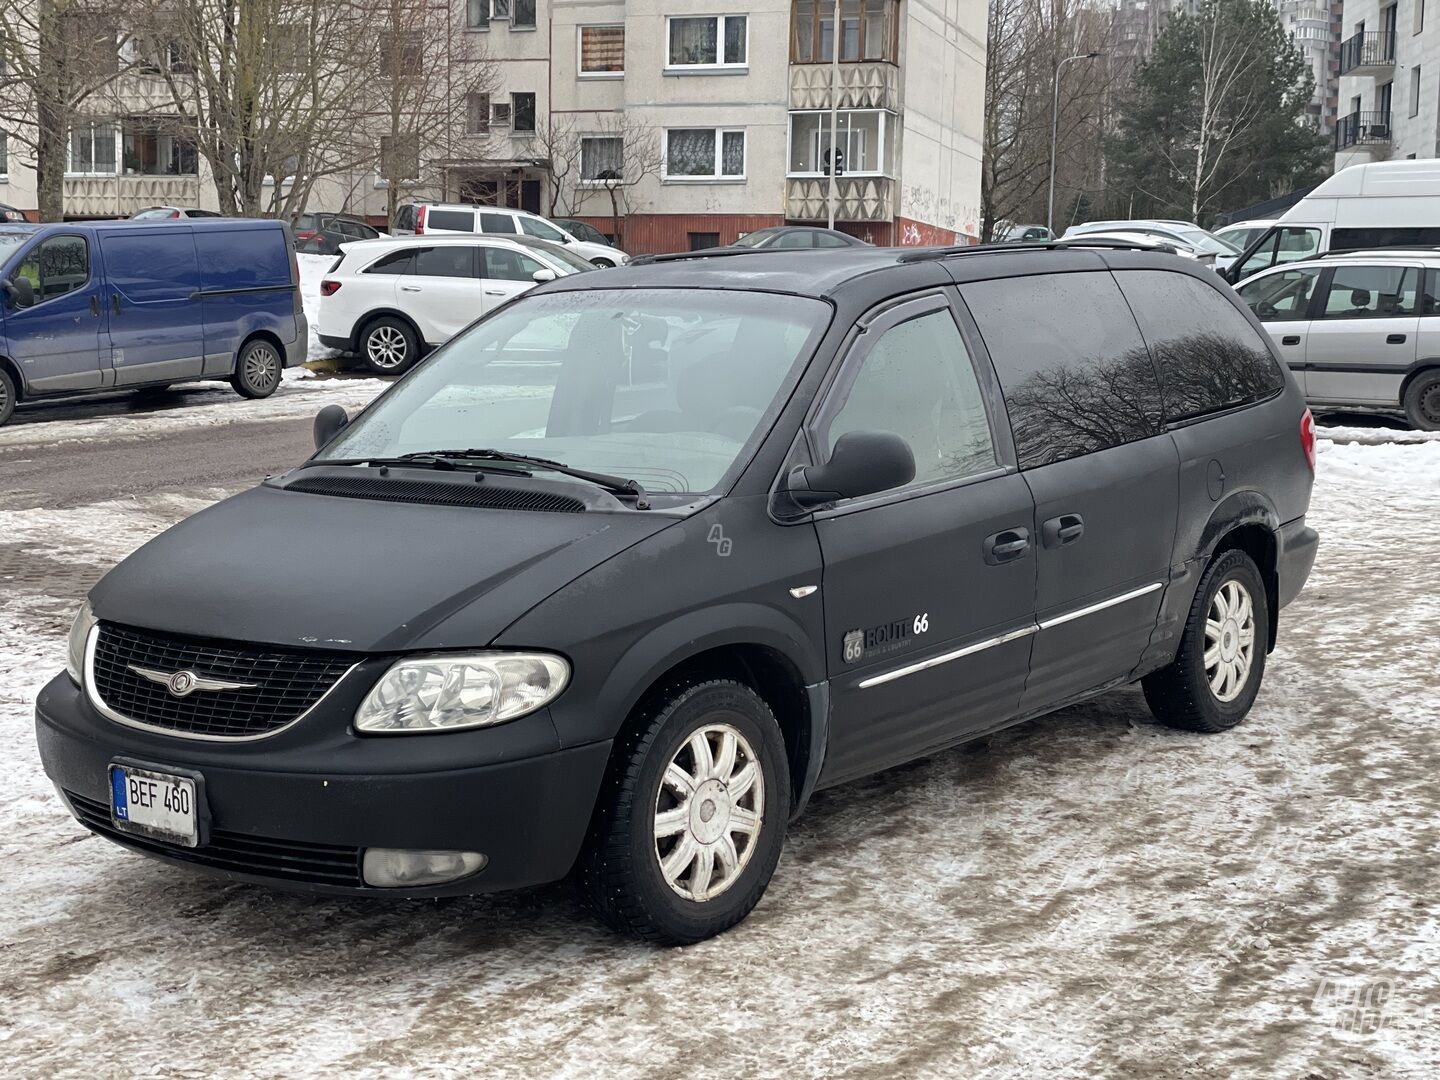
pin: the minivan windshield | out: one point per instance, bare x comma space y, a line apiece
669, 387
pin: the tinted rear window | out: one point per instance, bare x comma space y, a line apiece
1076, 374
453, 220
1210, 357
497, 223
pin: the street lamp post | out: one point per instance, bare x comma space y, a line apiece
1054, 131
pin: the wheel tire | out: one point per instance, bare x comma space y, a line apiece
1422, 401
7, 397
1183, 695
257, 369
603, 264
389, 346
620, 870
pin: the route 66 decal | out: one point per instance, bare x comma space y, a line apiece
854, 646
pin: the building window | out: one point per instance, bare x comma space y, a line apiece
602, 157
868, 30
863, 136
477, 14
704, 154
1415, 90
1419, 15
709, 41
157, 146
522, 114
477, 114
402, 53
4, 154
92, 148
399, 157
602, 50
523, 15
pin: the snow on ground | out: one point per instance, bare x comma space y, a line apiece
1088, 895
312, 269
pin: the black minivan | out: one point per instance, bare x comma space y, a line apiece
619, 576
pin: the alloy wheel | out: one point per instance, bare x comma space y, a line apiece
709, 812
386, 347
1229, 641
262, 367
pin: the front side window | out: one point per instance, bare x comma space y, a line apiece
704, 154
56, 266
1209, 355
1281, 245
92, 148
918, 381
1370, 292
602, 157
1283, 296
543, 229
708, 41
670, 387
602, 50
1075, 372
501, 264
862, 136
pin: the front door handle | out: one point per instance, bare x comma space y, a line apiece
409, 288
1290, 339
1395, 339
94, 305
494, 292
1006, 546
115, 302
1062, 530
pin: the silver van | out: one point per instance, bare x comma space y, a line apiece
1359, 329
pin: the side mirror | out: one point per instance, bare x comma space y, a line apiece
862, 463
20, 292
329, 422
543, 276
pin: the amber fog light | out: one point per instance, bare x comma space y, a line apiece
390, 868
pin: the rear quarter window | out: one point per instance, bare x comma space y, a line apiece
1209, 356
451, 220
1075, 372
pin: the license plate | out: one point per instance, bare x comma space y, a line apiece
154, 804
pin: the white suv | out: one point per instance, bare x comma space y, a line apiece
428, 219
389, 300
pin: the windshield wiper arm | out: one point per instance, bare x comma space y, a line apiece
616, 485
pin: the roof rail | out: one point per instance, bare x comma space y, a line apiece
1372, 252
929, 253
680, 256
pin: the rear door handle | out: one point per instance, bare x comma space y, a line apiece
1006, 546
1062, 530
1290, 339
1395, 339
115, 302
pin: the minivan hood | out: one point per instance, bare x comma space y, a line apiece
291, 568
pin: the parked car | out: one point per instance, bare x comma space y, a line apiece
1145, 240
1243, 233
584, 232
1184, 232
122, 304
1360, 330
1026, 234
653, 611
428, 219
172, 213
797, 236
389, 300
1374, 205
11, 214
322, 233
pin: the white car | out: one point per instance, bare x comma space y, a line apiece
1243, 233
430, 219
1171, 232
1147, 240
390, 300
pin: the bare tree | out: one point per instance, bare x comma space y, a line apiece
623, 152
557, 150
56, 57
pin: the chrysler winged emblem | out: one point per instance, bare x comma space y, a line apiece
182, 683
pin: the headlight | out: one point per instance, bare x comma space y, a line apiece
79, 634
444, 693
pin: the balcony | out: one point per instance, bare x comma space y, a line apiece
121, 196
1362, 129
1368, 54
861, 198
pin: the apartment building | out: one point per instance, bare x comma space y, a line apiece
1389, 92
732, 104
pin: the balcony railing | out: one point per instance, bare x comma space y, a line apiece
1362, 129
1368, 54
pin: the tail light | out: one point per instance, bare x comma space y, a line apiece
329, 288
1307, 438
420, 220
308, 234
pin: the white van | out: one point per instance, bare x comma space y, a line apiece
428, 219
1379, 204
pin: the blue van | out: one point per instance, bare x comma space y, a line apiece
114, 305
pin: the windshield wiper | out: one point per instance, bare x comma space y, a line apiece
616, 485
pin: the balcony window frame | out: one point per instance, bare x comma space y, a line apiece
889, 53
580, 70
719, 66
886, 116
93, 123
157, 127
4, 156
716, 176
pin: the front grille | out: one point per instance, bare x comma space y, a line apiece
484, 495
287, 682
290, 860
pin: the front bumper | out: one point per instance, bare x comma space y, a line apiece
1295, 555
270, 815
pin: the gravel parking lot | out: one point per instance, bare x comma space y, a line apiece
1088, 895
